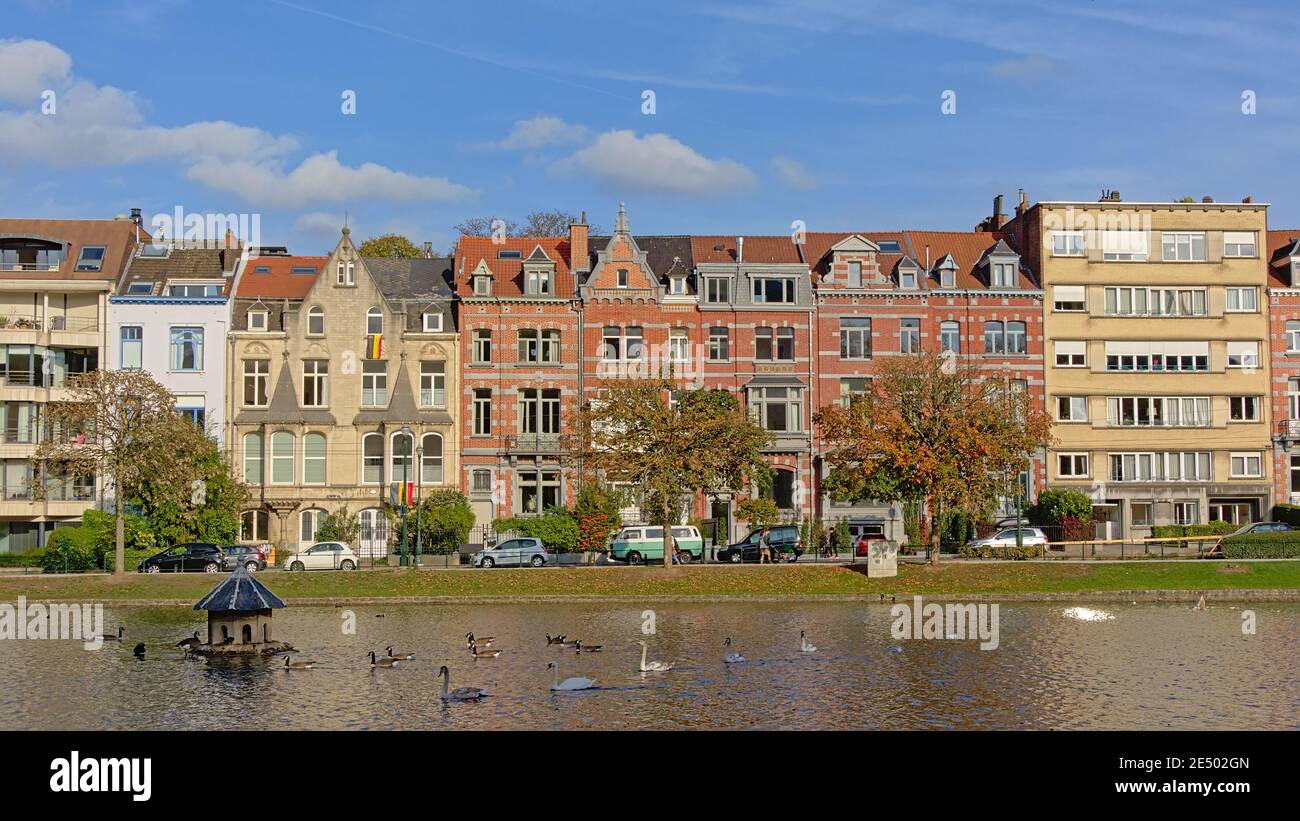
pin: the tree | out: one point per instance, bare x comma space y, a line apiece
704, 441
394, 246
339, 526
931, 432
598, 511
445, 519
204, 510
114, 424
759, 512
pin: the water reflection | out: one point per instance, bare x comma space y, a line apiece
1151, 666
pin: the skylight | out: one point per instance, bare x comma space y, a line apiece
153, 250
262, 269
140, 288
509, 254
303, 269
889, 246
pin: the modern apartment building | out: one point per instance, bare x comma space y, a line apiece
1157, 333
55, 280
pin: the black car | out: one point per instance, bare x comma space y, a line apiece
185, 558
247, 555
783, 540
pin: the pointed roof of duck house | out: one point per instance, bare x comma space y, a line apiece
239, 592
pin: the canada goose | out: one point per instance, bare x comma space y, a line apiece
228, 640
733, 657
191, 642
589, 648
460, 693
118, 637
298, 665
478, 654
485, 641
556, 640
806, 646
139, 650
399, 656
383, 661
574, 683
653, 666
570, 644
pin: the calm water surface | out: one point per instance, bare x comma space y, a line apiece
1151, 666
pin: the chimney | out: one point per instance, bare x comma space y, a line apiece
1207, 199
428, 249
740, 249
998, 217
1024, 202
578, 259
230, 238
1248, 199
138, 220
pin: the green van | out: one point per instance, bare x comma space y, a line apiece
636, 545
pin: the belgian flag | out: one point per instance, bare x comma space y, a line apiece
375, 346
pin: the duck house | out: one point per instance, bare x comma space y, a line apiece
239, 617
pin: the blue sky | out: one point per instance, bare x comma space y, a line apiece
765, 112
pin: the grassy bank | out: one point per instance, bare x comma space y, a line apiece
798, 580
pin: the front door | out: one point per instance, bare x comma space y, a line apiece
372, 536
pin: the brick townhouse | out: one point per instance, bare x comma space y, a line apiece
1282, 253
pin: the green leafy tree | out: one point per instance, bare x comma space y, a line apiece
341, 525
557, 529
704, 441
1056, 504
444, 520
205, 510
759, 512
393, 246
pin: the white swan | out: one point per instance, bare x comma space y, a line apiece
460, 693
574, 683
733, 657
653, 666
805, 645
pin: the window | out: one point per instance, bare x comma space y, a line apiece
431, 321
254, 526
855, 337
529, 348
347, 273
769, 289
1243, 354
719, 344
717, 290
1140, 513
855, 274
622, 344
315, 376
257, 320
91, 258
1239, 243
1243, 408
1174, 466
374, 322
313, 459
777, 409
994, 338
482, 346
622, 277
253, 458
1245, 466
774, 344
1072, 409
679, 345
316, 321
480, 481
1068, 244
1072, 465
1017, 337
1186, 513
482, 411
1069, 298
906, 277
1182, 247
1004, 274
187, 349
194, 291
947, 277
309, 524
950, 337
257, 375
1071, 354
539, 490
139, 288
282, 458
539, 411
909, 336
1158, 411
1168, 357
852, 388
1244, 300
1123, 246
1155, 302
402, 469
433, 384
431, 459
1292, 336
132, 337
482, 285
372, 458
538, 281
374, 383
509, 254
677, 285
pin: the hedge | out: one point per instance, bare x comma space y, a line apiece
1262, 546
1215, 528
1008, 552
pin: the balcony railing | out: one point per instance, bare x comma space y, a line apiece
28, 322
1288, 429
535, 443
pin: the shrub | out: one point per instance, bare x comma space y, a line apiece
1262, 546
597, 511
843, 536
445, 519
557, 529
340, 526
1287, 513
1055, 505
1215, 528
71, 550
1074, 529
30, 558
1009, 552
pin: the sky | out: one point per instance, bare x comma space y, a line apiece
705, 117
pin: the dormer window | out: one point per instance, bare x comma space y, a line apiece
947, 278
907, 277
1004, 274
432, 321
257, 320
855, 274
677, 285
1295, 272
91, 258
482, 285
538, 281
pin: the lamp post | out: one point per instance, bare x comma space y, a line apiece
419, 471
401, 494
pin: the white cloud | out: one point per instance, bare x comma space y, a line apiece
655, 163
541, 131
28, 67
794, 174
319, 224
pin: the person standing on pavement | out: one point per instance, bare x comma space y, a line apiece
764, 549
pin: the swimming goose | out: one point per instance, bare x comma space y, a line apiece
556, 640
383, 661
589, 648
399, 656
298, 665
574, 683
479, 654
570, 644
805, 645
733, 657
191, 642
139, 650
118, 637
485, 641
460, 693
653, 666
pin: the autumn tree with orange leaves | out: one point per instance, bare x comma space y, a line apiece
932, 430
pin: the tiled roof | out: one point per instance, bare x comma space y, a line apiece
180, 263
273, 277
817, 249
116, 235
1281, 244
967, 249
757, 249
507, 274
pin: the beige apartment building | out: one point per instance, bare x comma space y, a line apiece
1156, 338
341, 371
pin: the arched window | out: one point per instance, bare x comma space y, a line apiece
282, 458
372, 458
254, 526
309, 522
253, 458
431, 459
316, 320
402, 469
313, 459
374, 321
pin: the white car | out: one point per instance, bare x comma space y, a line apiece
1029, 536
519, 552
323, 556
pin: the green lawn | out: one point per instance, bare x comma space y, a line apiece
804, 580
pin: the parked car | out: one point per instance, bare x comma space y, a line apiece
252, 558
636, 545
185, 558
783, 540
323, 556
518, 552
1262, 527
1007, 538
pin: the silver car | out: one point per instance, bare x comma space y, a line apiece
524, 550
1029, 536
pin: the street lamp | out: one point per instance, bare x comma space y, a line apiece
419, 471
401, 494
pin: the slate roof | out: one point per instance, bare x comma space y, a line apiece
239, 592
508, 273
415, 284
1282, 244
180, 263
660, 252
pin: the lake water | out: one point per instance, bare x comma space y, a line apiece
1150, 666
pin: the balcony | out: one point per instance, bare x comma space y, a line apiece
1288, 430
39, 324
535, 443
